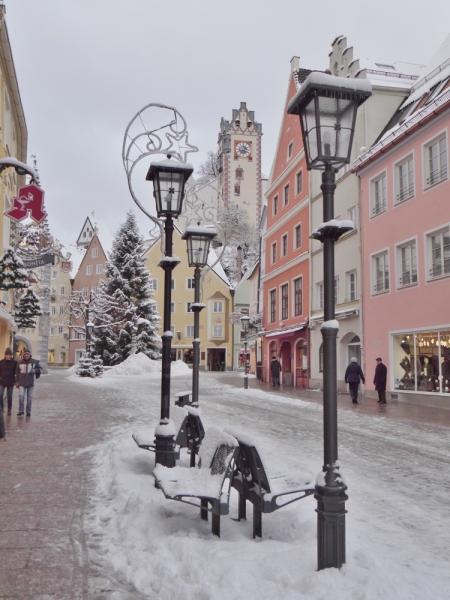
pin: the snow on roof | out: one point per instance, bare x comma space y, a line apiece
390, 73
76, 257
218, 269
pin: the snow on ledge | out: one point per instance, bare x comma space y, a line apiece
333, 223
332, 324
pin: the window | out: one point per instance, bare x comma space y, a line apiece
94, 252
89, 270
172, 308
84, 292
172, 329
440, 254
298, 300
153, 285
351, 215
381, 268
188, 307
61, 309
273, 305
284, 301
53, 309
53, 291
239, 173
286, 195
352, 289
407, 259
189, 331
299, 182
218, 307
290, 148
218, 331
405, 180
354, 349
436, 161
275, 206
320, 295
77, 335
284, 243
321, 358
379, 195
62, 290
172, 284
336, 290
191, 283
274, 252
52, 331
60, 330
99, 269
94, 289
237, 188
298, 236
54, 274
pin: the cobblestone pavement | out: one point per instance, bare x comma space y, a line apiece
44, 495
45, 483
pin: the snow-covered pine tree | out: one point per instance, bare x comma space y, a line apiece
85, 366
27, 310
97, 365
126, 272
12, 271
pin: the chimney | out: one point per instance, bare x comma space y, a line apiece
295, 63
239, 263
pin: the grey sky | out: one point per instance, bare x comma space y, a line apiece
85, 67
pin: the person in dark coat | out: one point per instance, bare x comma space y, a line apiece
7, 376
353, 376
27, 369
379, 380
275, 369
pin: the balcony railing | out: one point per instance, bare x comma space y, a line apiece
379, 207
381, 286
439, 270
405, 193
408, 278
437, 175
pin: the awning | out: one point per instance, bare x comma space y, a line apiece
286, 330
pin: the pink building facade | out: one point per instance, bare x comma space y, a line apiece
405, 218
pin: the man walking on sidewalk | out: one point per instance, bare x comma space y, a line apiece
275, 368
353, 376
7, 376
380, 380
26, 369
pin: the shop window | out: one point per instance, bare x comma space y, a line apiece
284, 301
436, 161
405, 180
378, 195
298, 296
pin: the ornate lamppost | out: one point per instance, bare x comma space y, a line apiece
327, 107
245, 320
169, 179
198, 240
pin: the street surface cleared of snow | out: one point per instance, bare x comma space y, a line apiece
398, 521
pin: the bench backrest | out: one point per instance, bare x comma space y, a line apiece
195, 429
249, 463
217, 451
180, 417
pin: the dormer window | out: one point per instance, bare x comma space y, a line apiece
383, 66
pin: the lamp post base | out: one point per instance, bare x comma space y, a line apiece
165, 444
245, 382
330, 525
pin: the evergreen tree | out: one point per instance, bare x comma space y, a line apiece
85, 366
27, 310
128, 282
97, 365
12, 271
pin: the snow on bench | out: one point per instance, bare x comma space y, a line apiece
267, 492
210, 482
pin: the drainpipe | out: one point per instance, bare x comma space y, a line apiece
232, 292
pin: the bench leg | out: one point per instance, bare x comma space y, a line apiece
204, 509
257, 521
242, 514
215, 524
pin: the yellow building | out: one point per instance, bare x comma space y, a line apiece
215, 327
13, 143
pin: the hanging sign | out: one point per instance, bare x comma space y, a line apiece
29, 203
66, 266
39, 261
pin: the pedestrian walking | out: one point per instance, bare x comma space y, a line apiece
7, 377
275, 369
380, 380
353, 376
27, 369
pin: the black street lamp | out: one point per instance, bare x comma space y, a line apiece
198, 240
89, 332
245, 320
169, 179
327, 107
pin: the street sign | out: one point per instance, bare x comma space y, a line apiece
39, 261
29, 202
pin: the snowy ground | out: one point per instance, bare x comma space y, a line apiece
398, 524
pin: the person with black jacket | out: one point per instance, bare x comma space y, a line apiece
353, 376
275, 368
27, 369
7, 375
379, 380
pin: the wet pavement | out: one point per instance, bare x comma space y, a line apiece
46, 485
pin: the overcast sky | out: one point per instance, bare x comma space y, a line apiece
85, 67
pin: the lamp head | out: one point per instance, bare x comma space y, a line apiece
169, 181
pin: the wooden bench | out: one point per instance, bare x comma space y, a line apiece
250, 479
146, 439
209, 483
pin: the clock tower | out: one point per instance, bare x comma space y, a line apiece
240, 162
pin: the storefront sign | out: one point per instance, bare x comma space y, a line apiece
29, 203
39, 261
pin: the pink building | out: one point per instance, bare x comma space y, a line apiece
405, 218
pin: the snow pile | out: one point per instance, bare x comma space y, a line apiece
139, 365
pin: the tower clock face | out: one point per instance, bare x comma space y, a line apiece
243, 149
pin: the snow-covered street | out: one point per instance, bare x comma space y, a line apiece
398, 523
